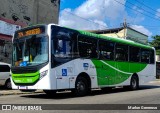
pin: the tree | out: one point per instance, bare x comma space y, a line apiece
156, 43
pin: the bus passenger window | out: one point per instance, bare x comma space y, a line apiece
87, 47
106, 50
145, 54
152, 59
121, 52
134, 55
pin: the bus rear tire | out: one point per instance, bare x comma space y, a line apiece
81, 87
134, 84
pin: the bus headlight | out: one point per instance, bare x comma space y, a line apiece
44, 73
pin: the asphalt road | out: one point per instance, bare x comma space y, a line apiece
148, 94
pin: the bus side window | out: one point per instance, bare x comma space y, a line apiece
63, 41
134, 55
106, 50
121, 52
87, 47
145, 54
152, 59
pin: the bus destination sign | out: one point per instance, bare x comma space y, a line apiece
29, 32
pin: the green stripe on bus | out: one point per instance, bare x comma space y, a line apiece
26, 78
113, 72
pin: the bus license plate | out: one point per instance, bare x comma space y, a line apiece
22, 87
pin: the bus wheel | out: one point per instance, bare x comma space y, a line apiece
81, 87
134, 83
50, 92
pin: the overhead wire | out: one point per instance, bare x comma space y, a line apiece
137, 14
153, 27
137, 10
149, 12
146, 6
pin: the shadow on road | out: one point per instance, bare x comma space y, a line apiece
65, 95
3, 88
145, 87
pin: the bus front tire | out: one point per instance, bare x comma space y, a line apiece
81, 87
134, 84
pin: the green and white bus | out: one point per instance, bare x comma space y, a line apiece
55, 58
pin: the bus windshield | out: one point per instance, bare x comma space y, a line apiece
30, 50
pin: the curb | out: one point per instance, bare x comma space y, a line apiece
155, 81
17, 92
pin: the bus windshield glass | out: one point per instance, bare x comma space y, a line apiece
30, 50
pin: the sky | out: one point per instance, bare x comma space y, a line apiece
142, 15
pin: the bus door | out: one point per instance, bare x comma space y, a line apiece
63, 75
102, 73
109, 68
107, 64
64, 57
122, 64
63, 47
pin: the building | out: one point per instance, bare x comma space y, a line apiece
6, 32
124, 33
15, 14
28, 12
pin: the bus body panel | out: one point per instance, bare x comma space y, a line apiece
43, 82
66, 74
112, 72
147, 74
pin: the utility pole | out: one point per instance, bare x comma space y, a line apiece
125, 27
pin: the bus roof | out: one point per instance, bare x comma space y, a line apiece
119, 40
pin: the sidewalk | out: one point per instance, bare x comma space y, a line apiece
16, 92
155, 81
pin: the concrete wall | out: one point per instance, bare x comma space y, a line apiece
23, 13
120, 34
5, 52
129, 34
136, 36
30, 11
157, 57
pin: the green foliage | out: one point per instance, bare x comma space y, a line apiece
158, 52
156, 43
